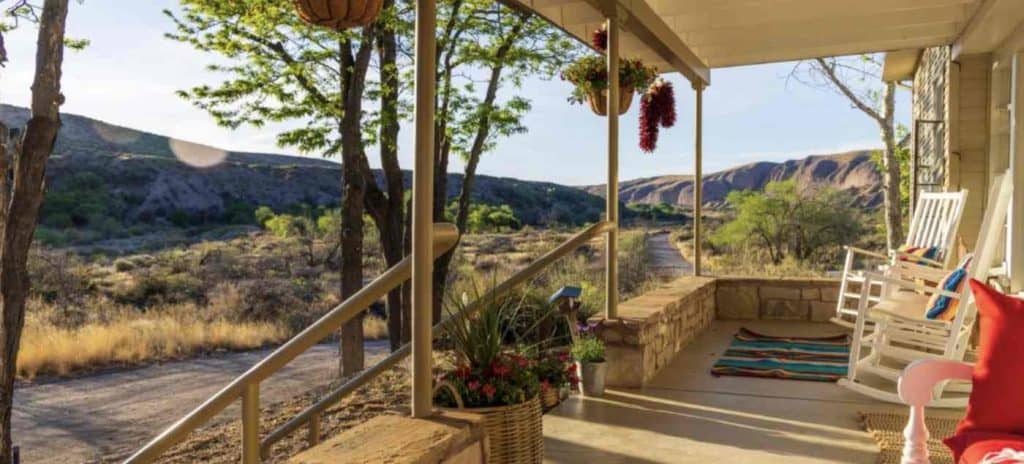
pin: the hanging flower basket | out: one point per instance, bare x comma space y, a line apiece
589, 75
598, 101
338, 14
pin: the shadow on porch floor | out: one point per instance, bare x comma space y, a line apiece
685, 415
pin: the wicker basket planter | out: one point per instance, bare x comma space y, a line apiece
515, 432
599, 101
550, 398
338, 14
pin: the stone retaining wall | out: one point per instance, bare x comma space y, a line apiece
738, 298
652, 328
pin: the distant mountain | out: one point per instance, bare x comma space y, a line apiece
154, 177
853, 172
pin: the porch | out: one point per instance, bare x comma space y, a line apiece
686, 415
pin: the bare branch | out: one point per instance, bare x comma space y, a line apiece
830, 73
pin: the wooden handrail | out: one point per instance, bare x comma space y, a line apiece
312, 414
246, 386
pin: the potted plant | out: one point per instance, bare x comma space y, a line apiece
589, 75
493, 378
555, 372
338, 14
588, 351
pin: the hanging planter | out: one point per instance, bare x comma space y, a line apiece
598, 101
657, 110
338, 14
589, 75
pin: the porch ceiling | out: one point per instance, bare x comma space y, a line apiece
724, 33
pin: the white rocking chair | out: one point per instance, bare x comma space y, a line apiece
935, 223
902, 333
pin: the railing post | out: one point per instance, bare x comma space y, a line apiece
251, 424
612, 195
423, 210
313, 433
698, 177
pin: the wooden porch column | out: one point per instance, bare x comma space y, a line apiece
423, 211
612, 195
698, 177
1015, 221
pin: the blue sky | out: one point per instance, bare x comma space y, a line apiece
129, 74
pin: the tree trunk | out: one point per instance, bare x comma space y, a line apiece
891, 174
21, 212
353, 194
483, 131
391, 225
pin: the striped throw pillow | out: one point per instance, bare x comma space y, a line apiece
941, 307
915, 254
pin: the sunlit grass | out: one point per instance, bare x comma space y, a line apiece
47, 349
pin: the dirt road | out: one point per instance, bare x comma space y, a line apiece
666, 261
83, 419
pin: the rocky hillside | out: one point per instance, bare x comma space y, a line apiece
853, 172
151, 178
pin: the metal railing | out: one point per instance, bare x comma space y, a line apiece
246, 386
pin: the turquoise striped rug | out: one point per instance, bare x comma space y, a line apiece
822, 359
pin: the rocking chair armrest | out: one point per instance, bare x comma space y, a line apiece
918, 380
917, 271
914, 259
909, 285
861, 251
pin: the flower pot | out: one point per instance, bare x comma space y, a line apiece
592, 375
599, 101
515, 432
338, 14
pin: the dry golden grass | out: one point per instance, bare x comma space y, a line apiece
375, 328
50, 350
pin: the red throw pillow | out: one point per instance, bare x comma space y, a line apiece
997, 397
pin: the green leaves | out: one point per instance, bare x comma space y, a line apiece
787, 219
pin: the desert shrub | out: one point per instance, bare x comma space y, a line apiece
488, 218
263, 214
123, 265
157, 286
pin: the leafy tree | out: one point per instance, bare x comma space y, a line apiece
282, 69
21, 193
488, 218
859, 79
786, 220
483, 38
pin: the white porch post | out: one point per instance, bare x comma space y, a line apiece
698, 176
612, 196
1015, 221
422, 210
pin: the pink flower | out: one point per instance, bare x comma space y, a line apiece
545, 386
473, 385
564, 357
489, 391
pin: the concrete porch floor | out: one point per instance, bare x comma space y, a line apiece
687, 416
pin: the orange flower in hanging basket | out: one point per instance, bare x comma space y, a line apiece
599, 101
338, 14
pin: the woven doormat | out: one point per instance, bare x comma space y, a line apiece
887, 430
753, 354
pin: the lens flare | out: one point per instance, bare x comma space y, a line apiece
197, 155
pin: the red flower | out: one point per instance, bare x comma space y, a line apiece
500, 370
463, 371
473, 385
564, 357
545, 386
489, 391
600, 39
